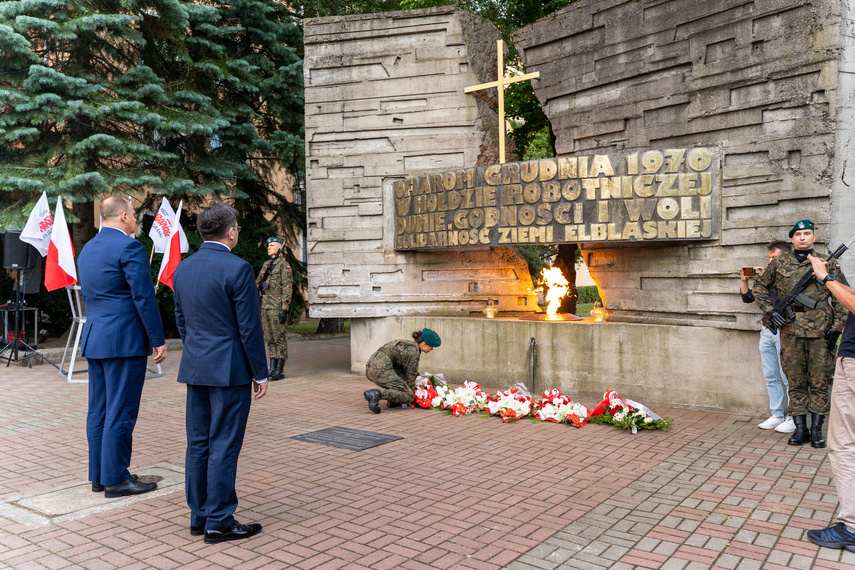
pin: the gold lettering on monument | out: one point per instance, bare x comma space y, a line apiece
650, 196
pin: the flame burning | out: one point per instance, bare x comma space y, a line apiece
558, 288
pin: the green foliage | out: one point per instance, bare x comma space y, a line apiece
320, 8
538, 257
200, 101
251, 247
588, 294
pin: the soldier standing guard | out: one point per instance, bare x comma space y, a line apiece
274, 286
809, 332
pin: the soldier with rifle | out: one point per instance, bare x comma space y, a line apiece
275, 287
810, 319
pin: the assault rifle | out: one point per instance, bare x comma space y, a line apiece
263, 286
785, 304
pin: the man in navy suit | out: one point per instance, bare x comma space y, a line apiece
122, 326
218, 316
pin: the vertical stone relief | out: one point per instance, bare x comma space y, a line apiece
385, 101
757, 79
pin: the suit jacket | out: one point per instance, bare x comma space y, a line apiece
218, 317
122, 319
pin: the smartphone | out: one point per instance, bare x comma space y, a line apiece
749, 271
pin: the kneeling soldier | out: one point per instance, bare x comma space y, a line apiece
394, 368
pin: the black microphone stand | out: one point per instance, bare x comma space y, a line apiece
15, 342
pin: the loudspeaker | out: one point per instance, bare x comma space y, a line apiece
17, 254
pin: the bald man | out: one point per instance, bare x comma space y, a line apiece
122, 326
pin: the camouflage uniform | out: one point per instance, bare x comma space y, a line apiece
276, 296
805, 357
397, 379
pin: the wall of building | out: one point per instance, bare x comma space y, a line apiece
760, 79
384, 101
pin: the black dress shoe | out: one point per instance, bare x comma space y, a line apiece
197, 530
97, 487
235, 532
130, 486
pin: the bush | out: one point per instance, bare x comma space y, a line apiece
588, 294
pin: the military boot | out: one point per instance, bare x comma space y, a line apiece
801, 436
816, 439
271, 370
279, 371
373, 397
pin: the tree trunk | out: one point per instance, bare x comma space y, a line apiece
566, 262
331, 326
84, 230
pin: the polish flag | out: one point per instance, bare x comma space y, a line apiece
172, 255
39, 226
59, 268
162, 228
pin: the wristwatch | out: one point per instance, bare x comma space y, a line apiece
828, 278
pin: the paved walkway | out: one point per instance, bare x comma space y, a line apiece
471, 492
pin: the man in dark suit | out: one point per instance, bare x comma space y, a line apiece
122, 326
218, 317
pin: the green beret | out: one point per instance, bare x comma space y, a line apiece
431, 338
801, 225
274, 239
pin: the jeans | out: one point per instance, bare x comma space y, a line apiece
776, 380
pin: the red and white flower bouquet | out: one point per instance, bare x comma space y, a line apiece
511, 404
464, 400
431, 390
556, 407
626, 414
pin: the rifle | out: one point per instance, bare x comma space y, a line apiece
264, 285
797, 293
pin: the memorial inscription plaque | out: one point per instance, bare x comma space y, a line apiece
640, 197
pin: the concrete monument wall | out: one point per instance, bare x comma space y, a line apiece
694, 367
384, 100
767, 81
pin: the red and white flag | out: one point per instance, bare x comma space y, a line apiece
39, 226
162, 228
172, 255
59, 268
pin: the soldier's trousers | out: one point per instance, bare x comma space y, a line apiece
274, 334
807, 364
393, 388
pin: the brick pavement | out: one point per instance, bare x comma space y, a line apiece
471, 492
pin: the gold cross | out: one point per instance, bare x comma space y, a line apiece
500, 83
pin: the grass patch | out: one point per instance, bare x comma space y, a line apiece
584, 309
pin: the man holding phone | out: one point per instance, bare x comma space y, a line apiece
770, 349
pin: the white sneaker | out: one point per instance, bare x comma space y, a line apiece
787, 426
772, 423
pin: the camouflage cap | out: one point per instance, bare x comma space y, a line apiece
273, 239
801, 225
431, 338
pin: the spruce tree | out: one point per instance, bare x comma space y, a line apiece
190, 99
83, 114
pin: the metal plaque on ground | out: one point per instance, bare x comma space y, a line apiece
347, 438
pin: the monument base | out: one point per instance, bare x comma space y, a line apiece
677, 366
